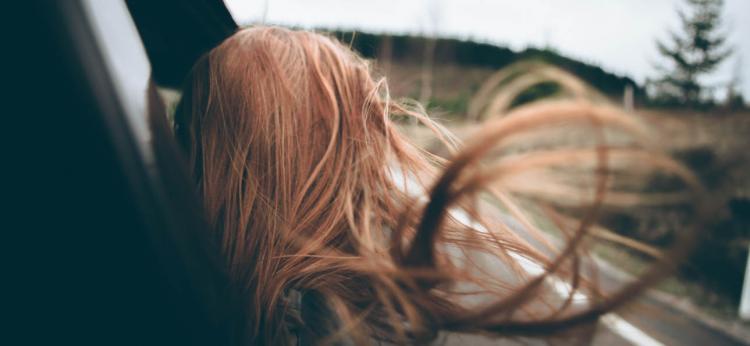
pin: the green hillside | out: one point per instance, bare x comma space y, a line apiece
409, 50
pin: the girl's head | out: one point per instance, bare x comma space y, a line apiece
288, 124
291, 143
314, 193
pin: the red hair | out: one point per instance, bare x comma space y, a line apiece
309, 186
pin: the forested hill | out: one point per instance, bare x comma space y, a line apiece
467, 53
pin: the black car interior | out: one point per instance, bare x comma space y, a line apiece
104, 248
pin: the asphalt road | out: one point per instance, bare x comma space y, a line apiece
646, 321
664, 323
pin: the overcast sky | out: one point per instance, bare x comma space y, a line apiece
618, 35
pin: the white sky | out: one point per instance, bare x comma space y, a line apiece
618, 35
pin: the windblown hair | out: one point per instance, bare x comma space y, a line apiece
335, 226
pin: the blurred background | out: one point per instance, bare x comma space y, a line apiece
680, 65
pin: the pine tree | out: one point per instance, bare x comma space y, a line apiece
694, 52
735, 100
